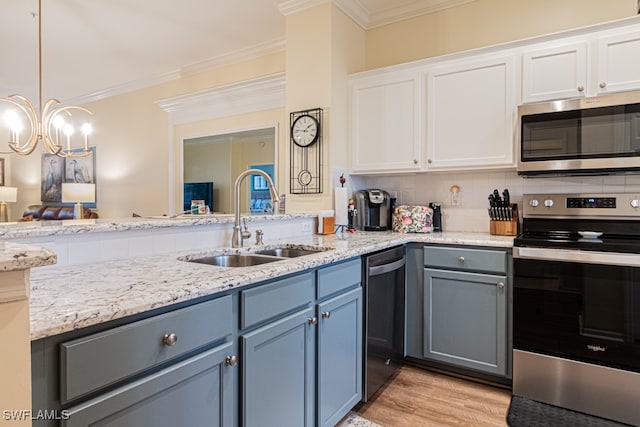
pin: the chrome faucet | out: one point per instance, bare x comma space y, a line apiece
239, 235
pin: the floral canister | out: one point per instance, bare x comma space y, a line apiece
412, 219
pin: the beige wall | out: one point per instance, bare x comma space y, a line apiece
15, 356
136, 161
483, 23
134, 164
262, 119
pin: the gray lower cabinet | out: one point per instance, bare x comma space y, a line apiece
282, 353
195, 392
304, 368
458, 309
339, 356
465, 319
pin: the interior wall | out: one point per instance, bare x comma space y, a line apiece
211, 162
134, 156
484, 23
258, 120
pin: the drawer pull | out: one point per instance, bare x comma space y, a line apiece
169, 339
461, 260
312, 320
231, 360
326, 314
500, 285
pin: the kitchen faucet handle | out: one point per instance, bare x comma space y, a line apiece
245, 233
259, 234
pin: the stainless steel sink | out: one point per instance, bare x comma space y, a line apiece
288, 252
236, 260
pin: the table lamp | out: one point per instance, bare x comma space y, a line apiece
78, 194
7, 194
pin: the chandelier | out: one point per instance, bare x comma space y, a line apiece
48, 124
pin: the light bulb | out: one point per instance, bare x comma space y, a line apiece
87, 129
12, 119
68, 130
58, 122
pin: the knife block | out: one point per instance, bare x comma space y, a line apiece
505, 227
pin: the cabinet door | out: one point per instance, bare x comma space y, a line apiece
385, 122
618, 64
470, 114
465, 319
554, 72
196, 392
278, 372
339, 356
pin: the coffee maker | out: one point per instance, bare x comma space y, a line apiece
373, 210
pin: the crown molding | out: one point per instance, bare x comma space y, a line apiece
246, 54
409, 10
263, 93
368, 19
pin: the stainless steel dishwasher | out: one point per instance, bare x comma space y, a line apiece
384, 292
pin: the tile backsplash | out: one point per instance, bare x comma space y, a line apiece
471, 212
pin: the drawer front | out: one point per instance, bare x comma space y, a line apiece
466, 259
339, 277
92, 362
275, 299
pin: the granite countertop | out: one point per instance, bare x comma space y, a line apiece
21, 230
16, 256
69, 298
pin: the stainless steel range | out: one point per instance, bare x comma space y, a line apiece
576, 303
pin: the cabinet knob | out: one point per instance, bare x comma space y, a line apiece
429, 161
326, 314
500, 285
548, 203
312, 320
415, 162
603, 85
231, 360
580, 88
461, 260
169, 339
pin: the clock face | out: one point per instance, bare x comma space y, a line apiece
304, 130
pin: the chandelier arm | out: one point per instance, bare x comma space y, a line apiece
27, 108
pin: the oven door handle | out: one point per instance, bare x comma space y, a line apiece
577, 256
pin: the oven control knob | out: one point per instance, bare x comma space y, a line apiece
635, 203
534, 203
548, 203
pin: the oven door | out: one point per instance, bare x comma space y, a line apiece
578, 305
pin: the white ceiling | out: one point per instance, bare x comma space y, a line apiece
96, 48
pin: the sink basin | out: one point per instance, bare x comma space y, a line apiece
236, 260
288, 252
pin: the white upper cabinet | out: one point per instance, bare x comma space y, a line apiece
619, 62
587, 66
470, 113
385, 122
555, 72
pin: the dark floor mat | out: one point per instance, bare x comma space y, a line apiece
529, 413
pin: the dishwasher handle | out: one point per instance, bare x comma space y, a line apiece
386, 268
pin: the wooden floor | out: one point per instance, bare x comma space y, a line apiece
418, 397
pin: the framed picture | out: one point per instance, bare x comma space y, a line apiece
56, 170
1, 172
52, 176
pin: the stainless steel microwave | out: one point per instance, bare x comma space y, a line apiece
585, 136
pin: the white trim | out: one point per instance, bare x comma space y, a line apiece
245, 54
355, 10
263, 93
288, 7
416, 8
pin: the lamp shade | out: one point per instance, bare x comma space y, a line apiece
8, 194
78, 193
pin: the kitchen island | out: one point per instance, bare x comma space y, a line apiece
291, 326
74, 297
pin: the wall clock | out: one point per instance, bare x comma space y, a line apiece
306, 151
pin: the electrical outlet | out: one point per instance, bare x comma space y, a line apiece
306, 227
